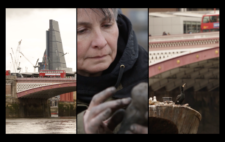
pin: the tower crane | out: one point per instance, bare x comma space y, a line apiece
64, 54
19, 68
15, 64
35, 66
12, 62
17, 53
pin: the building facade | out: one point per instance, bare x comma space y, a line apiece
53, 58
176, 21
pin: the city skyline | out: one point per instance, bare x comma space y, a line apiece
31, 25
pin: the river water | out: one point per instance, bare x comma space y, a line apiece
53, 125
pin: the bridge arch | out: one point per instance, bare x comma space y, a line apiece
45, 92
183, 60
198, 69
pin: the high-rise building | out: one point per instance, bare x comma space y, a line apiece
53, 58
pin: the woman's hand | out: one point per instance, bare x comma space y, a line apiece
97, 117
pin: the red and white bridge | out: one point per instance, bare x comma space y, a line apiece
189, 58
44, 88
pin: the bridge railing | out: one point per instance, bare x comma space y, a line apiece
165, 47
39, 79
197, 39
183, 37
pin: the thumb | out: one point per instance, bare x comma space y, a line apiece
116, 118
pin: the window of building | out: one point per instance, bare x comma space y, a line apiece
191, 27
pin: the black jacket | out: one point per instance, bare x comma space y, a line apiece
129, 54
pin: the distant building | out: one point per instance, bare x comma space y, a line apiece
53, 58
179, 9
176, 21
54, 100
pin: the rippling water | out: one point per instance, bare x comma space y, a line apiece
53, 125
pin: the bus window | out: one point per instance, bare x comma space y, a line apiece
212, 30
213, 18
205, 30
206, 19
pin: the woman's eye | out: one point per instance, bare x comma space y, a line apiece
107, 25
81, 31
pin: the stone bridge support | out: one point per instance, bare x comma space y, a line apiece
24, 107
66, 108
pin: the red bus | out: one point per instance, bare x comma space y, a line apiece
52, 73
7, 72
210, 22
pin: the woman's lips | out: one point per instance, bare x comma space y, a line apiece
98, 57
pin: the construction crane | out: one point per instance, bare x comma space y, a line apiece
15, 64
12, 62
17, 53
35, 66
64, 54
19, 68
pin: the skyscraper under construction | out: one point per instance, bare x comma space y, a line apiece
53, 58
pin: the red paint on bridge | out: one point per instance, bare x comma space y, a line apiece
43, 88
183, 60
41, 80
68, 97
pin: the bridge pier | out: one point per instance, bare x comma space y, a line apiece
66, 108
27, 108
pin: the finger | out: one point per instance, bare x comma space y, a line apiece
146, 115
102, 96
128, 132
95, 123
113, 105
138, 129
116, 118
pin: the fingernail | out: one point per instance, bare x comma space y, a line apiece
146, 115
108, 111
112, 89
132, 127
127, 100
128, 132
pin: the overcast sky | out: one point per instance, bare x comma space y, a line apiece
31, 25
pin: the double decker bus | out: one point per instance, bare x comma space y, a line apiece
210, 23
7, 72
52, 73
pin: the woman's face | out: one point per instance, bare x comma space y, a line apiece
96, 40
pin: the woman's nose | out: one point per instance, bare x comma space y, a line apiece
99, 40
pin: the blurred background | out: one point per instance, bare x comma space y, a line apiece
139, 20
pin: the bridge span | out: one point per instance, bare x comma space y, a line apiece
28, 97
192, 59
188, 58
44, 87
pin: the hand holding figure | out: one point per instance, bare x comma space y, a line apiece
102, 117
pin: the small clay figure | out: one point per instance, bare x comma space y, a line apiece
135, 112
